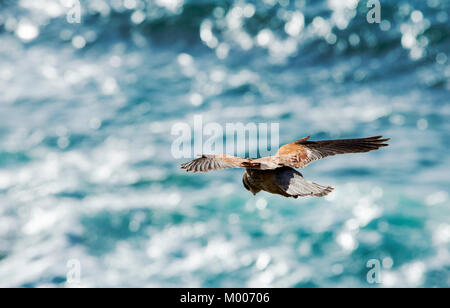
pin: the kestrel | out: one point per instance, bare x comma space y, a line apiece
276, 174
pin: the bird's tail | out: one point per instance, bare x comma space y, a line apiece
299, 187
320, 190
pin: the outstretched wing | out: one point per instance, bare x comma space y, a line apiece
207, 163
302, 152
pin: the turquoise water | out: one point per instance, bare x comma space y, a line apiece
86, 171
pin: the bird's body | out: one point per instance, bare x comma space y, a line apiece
284, 181
275, 174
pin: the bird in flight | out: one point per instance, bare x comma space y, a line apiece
276, 174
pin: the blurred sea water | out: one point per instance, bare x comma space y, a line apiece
86, 172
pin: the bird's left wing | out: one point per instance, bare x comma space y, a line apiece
207, 163
302, 152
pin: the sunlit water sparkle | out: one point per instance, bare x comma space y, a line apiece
86, 111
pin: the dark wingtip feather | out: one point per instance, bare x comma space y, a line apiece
373, 138
374, 143
187, 166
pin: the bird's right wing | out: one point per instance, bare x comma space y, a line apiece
207, 163
302, 152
